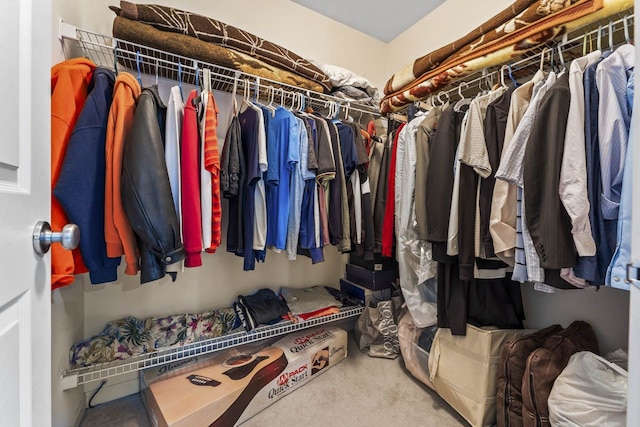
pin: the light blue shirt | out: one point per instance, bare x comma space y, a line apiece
614, 120
296, 190
617, 272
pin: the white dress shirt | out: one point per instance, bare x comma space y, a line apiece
573, 171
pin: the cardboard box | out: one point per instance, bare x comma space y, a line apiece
374, 280
232, 386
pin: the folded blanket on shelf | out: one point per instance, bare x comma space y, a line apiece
180, 44
212, 31
342, 78
132, 336
523, 32
308, 300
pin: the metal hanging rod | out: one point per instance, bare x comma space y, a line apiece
605, 34
114, 53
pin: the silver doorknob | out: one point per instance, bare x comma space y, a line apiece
43, 237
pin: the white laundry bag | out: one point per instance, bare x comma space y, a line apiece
591, 391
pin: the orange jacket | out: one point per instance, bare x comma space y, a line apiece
117, 231
69, 88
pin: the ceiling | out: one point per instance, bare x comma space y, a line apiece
381, 19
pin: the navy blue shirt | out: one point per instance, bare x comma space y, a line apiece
594, 268
249, 125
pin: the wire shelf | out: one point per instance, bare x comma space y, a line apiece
72, 378
113, 53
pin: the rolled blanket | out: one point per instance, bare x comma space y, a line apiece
212, 31
511, 46
179, 44
433, 59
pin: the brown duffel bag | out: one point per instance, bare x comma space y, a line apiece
513, 361
546, 363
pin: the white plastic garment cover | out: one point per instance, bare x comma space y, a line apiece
591, 391
417, 269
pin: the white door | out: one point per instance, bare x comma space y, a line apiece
633, 409
25, 290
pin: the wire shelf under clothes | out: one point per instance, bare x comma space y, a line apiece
114, 53
72, 378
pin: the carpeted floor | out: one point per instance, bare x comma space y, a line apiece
359, 391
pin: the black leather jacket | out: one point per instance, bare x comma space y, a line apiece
146, 193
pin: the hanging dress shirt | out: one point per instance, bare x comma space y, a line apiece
614, 120
617, 272
594, 269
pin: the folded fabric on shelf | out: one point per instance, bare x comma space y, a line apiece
309, 302
219, 33
180, 44
509, 41
132, 336
344, 80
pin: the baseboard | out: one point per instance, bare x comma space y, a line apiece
79, 413
115, 388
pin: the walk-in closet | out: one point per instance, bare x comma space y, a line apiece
308, 213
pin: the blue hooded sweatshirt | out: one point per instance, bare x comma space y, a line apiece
80, 187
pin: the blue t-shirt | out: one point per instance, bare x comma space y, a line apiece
348, 147
283, 136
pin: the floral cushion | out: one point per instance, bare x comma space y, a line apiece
121, 339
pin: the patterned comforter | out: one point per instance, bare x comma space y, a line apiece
213, 31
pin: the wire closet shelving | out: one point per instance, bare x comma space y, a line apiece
108, 51
74, 377
604, 34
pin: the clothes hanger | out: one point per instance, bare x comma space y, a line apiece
270, 106
138, 67
346, 111
561, 57
625, 22
442, 102
115, 59
502, 82
599, 42
515, 83
206, 79
544, 51
180, 80
234, 91
611, 25
462, 101
197, 73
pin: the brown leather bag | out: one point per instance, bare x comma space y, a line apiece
546, 363
513, 361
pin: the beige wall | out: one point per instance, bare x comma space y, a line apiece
297, 28
67, 304
448, 22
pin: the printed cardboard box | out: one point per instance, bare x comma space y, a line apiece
232, 386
